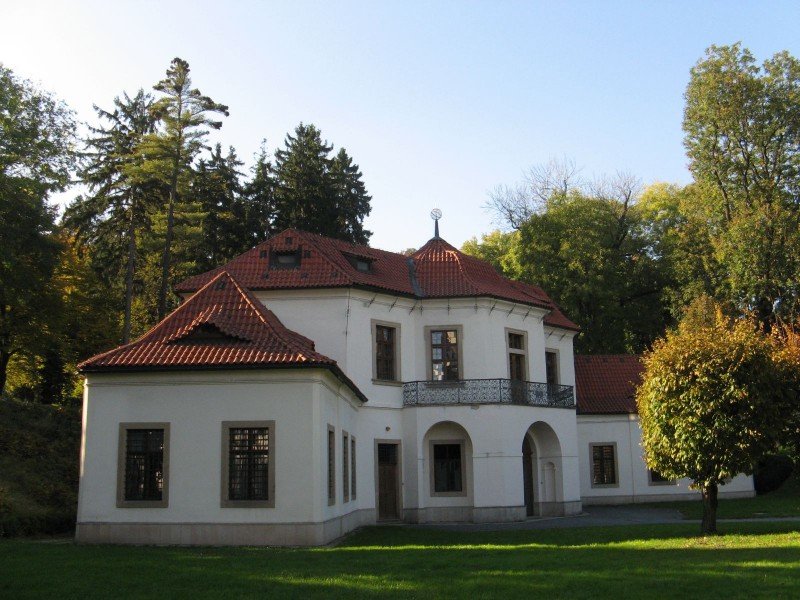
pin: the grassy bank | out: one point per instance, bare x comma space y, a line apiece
39, 447
753, 560
783, 502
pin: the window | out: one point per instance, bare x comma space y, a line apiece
445, 353
604, 465
143, 465
656, 478
331, 465
248, 456
284, 259
360, 263
551, 367
352, 467
346, 466
517, 355
386, 365
447, 473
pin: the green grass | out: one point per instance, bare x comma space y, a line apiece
784, 502
752, 560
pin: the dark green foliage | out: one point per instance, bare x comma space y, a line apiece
39, 447
36, 154
218, 193
771, 471
316, 193
259, 195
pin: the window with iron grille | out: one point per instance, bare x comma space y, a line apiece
385, 353
352, 467
248, 459
657, 478
346, 466
144, 465
248, 463
604, 467
447, 468
444, 355
331, 465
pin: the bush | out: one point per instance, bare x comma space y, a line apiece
771, 471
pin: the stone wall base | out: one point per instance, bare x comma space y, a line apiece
643, 498
223, 534
487, 514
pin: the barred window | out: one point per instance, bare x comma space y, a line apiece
345, 466
144, 465
248, 473
447, 468
352, 467
604, 468
248, 463
331, 465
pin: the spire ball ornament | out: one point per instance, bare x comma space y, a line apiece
436, 214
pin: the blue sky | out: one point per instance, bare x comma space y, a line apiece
438, 102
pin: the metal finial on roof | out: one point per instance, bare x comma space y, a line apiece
436, 214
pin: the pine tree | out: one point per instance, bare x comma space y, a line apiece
259, 194
110, 219
170, 153
352, 199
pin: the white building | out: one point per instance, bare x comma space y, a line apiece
311, 386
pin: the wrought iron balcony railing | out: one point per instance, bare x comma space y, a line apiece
487, 391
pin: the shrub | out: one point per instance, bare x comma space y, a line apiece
771, 471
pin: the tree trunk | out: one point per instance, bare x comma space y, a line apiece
4, 358
166, 257
129, 272
709, 496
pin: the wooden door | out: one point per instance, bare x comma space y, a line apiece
388, 482
527, 476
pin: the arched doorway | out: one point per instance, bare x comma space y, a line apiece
528, 476
541, 470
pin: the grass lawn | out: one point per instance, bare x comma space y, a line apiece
752, 560
784, 502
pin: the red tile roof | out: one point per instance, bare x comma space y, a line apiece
437, 270
606, 384
222, 325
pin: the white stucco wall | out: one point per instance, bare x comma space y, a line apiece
300, 402
633, 481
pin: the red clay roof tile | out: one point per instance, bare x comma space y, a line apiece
222, 325
606, 384
437, 270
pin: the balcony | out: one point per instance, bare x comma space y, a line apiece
487, 391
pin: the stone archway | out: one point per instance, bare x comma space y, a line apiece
542, 474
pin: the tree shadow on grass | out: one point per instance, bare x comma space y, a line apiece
759, 560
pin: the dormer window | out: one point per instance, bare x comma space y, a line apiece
360, 263
284, 259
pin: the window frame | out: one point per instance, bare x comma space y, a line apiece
448, 442
650, 480
331, 462
613, 445
225, 501
274, 261
345, 467
398, 380
459, 329
524, 352
557, 355
121, 465
352, 467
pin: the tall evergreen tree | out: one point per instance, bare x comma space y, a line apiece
169, 153
259, 194
317, 193
352, 199
112, 217
218, 191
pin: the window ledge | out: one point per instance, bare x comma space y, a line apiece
142, 504
448, 494
247, 504
389, 382
605, 485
